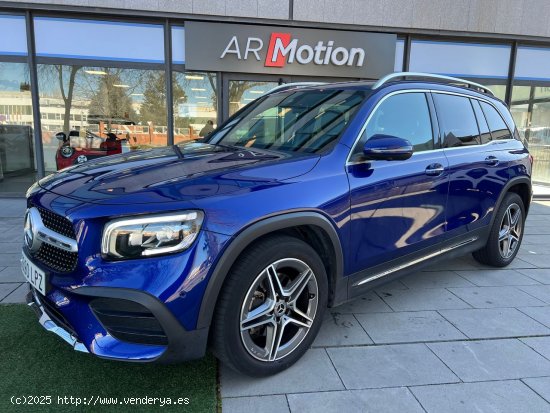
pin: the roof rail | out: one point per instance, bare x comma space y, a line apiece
295, 85
449, 79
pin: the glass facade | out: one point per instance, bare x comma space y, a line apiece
102, 89
93, 105
195, 105
530, 106
17, 164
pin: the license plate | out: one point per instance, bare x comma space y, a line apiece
34, 275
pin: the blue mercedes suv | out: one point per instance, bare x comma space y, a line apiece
304, 199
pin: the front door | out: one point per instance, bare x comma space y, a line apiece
398, 207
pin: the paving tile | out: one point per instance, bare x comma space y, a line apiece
313, 372
517, 263
451, 265
398, 399
540, 344
542, 275
435, 279
10, 260
539, 261
11, 274
408, 327
541, 385
10, 247
17, 296
489, 297
341, 330
389, 366
368, 303
264, 404
542, 292
492, 278
491, 360
541, 314
503, 397
494, 323
421, 299
7, 288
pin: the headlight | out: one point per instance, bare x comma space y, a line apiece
151, 235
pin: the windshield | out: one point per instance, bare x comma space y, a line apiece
295, 121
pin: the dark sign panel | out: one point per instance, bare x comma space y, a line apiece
288, 50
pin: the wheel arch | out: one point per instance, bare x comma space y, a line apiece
312, 227
520, 185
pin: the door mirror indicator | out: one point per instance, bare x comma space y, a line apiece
387, 148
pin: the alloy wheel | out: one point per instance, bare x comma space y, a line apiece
510, 231
279, 309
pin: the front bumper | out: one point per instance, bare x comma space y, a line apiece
104, 340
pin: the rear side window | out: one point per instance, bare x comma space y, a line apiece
498, 127
456, 120
406, 116
484, 131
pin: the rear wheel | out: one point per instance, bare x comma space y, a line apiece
271, 306
506, 234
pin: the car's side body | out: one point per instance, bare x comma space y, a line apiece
369, 223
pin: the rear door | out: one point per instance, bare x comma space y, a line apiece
475, 167
398, 207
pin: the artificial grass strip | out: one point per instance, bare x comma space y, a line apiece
34, 362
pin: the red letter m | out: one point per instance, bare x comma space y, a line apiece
277, 50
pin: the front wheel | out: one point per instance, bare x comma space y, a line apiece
271, 306
506, 234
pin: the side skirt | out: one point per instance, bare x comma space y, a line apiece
363, 281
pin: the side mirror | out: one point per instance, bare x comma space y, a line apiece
387, 148
61, 136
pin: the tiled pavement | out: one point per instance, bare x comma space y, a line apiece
457, 337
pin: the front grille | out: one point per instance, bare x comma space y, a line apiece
57, 223
56, 258
128, 321
53, 257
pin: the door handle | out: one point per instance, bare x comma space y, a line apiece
435, 169
491, 160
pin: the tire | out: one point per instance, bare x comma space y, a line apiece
248, 292
494, 252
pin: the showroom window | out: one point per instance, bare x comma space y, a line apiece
17, 167
195, 105
102, 89
530, 107
485, 63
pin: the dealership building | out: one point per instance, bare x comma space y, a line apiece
158, 72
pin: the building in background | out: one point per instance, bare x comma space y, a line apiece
156, 74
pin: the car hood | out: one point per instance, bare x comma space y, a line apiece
175, 173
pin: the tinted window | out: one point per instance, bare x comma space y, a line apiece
405, 116
498, 127
293, 121
481, 122
457, 121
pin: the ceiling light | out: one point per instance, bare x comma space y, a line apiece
258, 92
96, 72
124, 86
194, 77
200, 97
235, 102
136, 94
248, 99
198, 89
